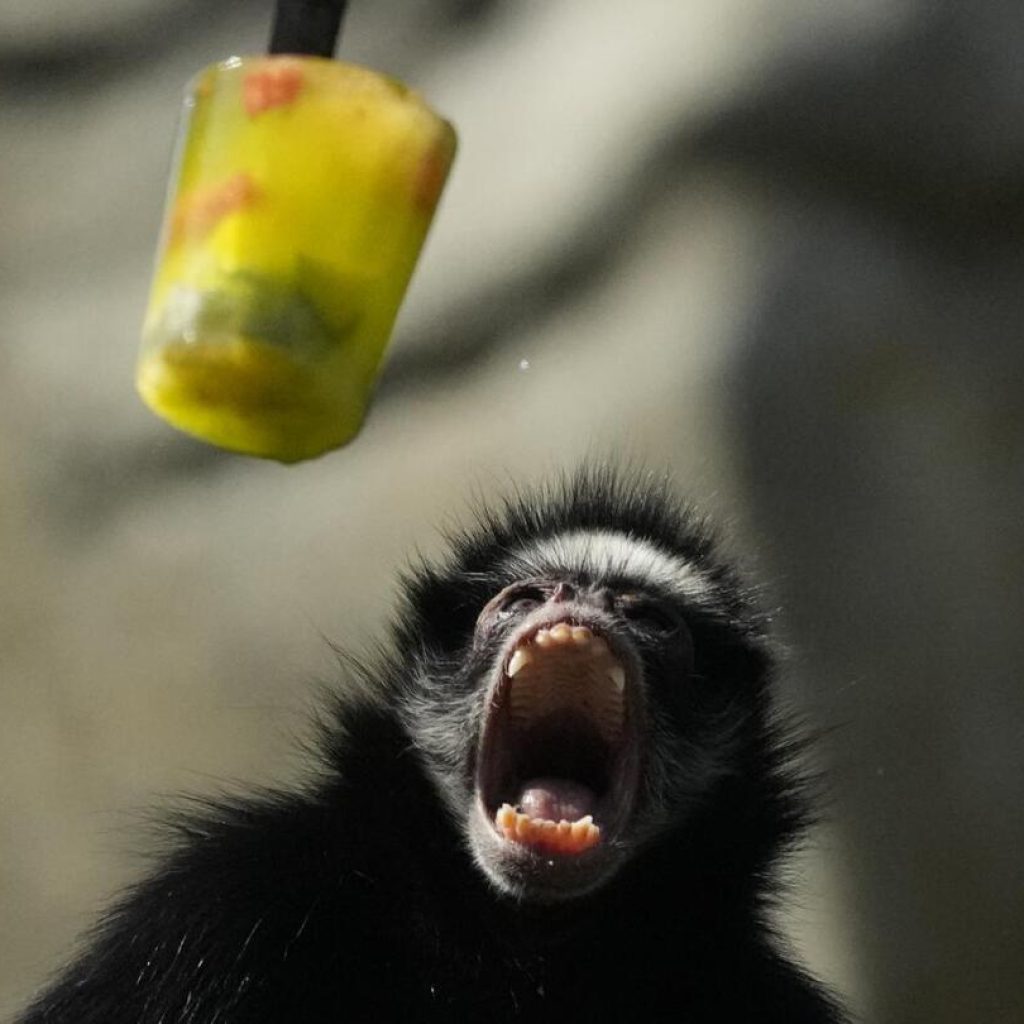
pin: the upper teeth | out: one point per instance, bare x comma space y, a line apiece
518, 660
580, 637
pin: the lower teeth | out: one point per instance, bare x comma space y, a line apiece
549, 836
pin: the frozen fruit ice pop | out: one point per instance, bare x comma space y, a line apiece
304, 191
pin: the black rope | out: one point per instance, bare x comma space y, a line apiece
308, 27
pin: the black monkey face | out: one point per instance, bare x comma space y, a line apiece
569, 756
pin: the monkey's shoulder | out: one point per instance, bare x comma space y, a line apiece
349, 899
259, 911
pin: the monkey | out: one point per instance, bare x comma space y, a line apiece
560, 792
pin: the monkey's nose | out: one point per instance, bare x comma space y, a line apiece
601, 598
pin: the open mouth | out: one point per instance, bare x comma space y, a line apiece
557, 765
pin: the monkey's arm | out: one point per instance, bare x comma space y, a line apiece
295, 906
212, 928
790, 996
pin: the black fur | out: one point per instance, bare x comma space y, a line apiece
358, 900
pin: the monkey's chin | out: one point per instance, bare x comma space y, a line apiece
537, 874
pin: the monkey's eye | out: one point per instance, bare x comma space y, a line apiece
653, 614
522, 600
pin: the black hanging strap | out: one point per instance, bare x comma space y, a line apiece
308, 27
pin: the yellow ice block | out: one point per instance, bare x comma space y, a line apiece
304, 191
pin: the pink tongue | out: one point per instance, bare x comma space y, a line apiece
555, 799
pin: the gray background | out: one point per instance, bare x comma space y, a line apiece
772, 246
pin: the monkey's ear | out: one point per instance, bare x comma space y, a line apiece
440, 609
731, 667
